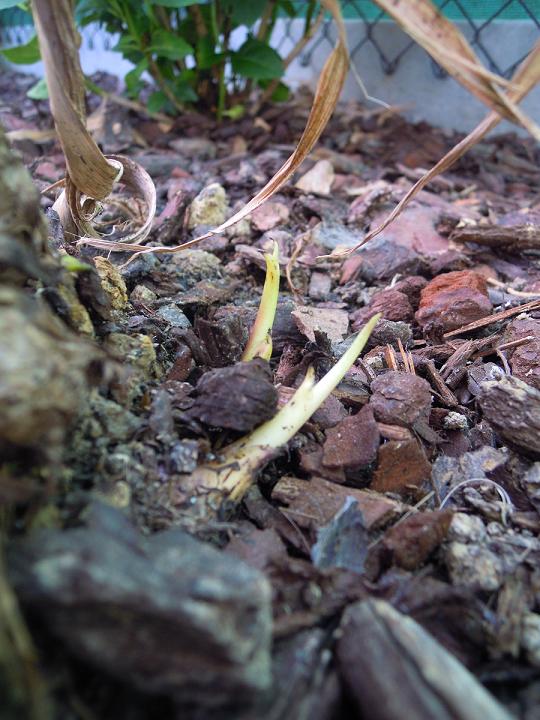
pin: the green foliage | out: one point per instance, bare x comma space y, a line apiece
185, 47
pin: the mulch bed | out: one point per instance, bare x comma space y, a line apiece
410, 502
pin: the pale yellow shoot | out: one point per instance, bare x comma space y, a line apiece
260, 337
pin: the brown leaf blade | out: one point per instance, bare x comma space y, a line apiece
426, 24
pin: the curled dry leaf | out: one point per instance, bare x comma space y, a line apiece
90, 175
326, 97
525, 78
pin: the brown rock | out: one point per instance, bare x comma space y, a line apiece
400, 398
311, 463
239, 397
270, 215
402, 465
313, 503
353, 443
378, 260
412, 541
412, 286
452, 300
392, 304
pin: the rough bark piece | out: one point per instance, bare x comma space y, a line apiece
168, 613
313, 503
400, 399
238, 397
512, 408
393, 669
353, 443
410, 543
402, 466
514, 238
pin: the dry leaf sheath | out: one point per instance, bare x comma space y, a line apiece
90, 175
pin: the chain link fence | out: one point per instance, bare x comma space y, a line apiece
476, 18
393, 67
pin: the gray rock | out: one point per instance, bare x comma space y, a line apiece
512, 408
192, 266
382, 259
331, 234
168, 613
172, 315
447, 472
388, 332
474, 566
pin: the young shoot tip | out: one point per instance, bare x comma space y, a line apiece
260, 337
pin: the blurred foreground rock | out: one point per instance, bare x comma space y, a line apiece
168, 613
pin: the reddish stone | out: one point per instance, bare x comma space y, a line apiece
402, 466
400, 398
353, 443
412, 541
415, 228
392, 304
412, 286
311, 463
452, 300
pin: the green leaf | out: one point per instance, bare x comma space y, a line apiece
39, 91
257, 60
157, 101
244, 13
169, 45
23, 54
183, 88
206, 54
235, 112
133, 80
5, 4
280, 94
176, 3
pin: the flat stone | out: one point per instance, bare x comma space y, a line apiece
402, 466
400, 398
269, 215
512, 408
524, 359
353, 443
380, 259
173, 316
332, 322
452, 300
318, 180
320, 285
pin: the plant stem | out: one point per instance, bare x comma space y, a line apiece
162, 83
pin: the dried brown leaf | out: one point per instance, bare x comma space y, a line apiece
90, 175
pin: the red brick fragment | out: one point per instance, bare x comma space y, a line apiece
353, 443
452, 300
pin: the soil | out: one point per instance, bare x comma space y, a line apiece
386, 563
